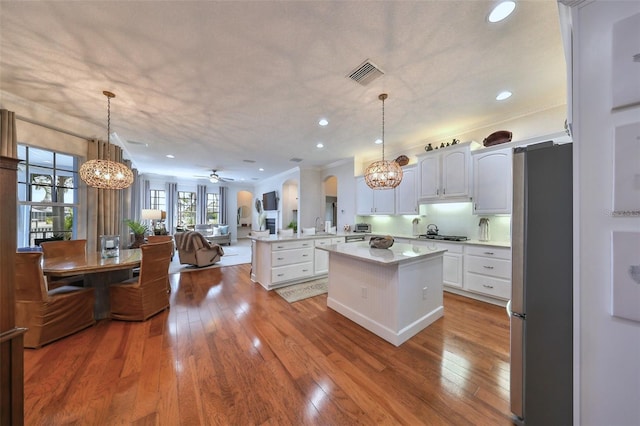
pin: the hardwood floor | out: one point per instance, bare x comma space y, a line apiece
228, 352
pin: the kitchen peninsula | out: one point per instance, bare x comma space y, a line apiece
394, 293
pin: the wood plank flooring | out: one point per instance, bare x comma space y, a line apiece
228, 352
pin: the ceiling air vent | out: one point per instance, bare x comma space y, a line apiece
365, 73
296, 160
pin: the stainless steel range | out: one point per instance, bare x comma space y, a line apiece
443, 237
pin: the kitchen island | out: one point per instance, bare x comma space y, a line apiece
394, 293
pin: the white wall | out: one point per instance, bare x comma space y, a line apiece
345, 191
609, 347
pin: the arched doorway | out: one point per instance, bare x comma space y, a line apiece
243, 217
331, 200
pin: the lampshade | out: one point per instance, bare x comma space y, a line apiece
106, 174
151, 214
383, 174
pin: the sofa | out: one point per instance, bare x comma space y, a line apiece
194, 249
214, 233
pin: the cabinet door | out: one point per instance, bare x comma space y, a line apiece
455, 173
406, 192
364, 198
492, 182
384, 201
429, 176
369, 201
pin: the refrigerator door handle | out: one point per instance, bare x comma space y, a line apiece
517, 377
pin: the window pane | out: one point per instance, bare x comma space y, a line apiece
64, 162
49, 223
212, 208
40, 157
186, 208
41, 181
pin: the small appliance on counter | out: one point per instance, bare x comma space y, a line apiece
362, 227
432, 229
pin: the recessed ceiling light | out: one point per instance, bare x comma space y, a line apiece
171, 156
319, 145
503, 95
323, 122
378, 141
502, 10
261, 169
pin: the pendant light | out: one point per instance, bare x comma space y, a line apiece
383, 174
106, 174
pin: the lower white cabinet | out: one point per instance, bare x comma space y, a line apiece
321, 257
488, 271
452, 272
279, 263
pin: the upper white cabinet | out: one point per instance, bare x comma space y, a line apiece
492, 181
369, 201
407, 192
445, 174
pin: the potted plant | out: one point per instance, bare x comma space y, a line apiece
139, 230
294, 225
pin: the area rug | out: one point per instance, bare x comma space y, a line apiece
296, 292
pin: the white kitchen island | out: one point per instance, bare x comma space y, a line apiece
394, 293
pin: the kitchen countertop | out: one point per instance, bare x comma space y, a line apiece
398, 253
277, 238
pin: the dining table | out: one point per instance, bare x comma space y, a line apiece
99, 272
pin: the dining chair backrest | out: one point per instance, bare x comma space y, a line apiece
64, 248
159, 238
154, 265
29, 281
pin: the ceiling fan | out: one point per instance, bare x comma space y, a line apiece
214, 177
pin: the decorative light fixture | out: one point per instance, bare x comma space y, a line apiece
383, 174
106, 174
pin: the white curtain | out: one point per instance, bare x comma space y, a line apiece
172, 205
201, 204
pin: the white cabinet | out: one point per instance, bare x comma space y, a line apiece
452, 273
291, 260
445, 174
492, 181
488, 271
369, 201
406, 192
321, 257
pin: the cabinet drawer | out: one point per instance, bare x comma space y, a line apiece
490, 286
291, 272
328, 241
487, 266
287, 257
489, 251
288, 245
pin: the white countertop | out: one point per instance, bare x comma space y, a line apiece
276, 238
398, 253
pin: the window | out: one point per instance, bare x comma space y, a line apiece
47, 196
186, 208
213, 208
158, 200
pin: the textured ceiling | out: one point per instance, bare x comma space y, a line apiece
216, 83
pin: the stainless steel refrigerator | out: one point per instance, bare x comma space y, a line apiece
541, 307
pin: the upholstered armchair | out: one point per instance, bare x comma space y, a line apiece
48, 314
194, 249
140, 298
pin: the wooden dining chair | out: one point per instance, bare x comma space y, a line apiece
141, 297
160, 239
60, 250
48, 314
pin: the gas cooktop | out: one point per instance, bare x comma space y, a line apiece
443, 237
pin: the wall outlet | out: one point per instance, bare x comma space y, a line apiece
363, 291
424, 293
